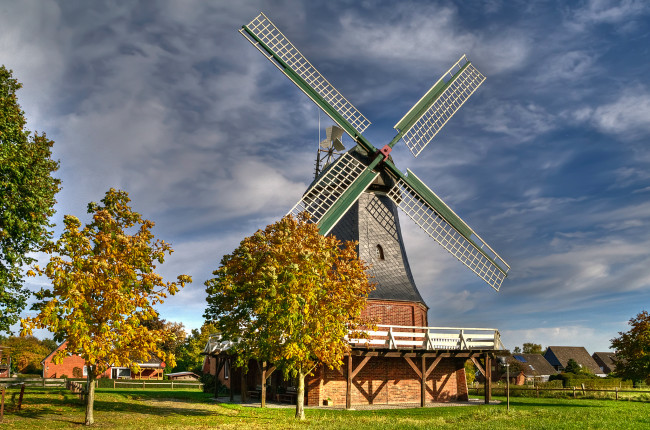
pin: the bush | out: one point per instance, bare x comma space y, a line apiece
208, 382
572, 380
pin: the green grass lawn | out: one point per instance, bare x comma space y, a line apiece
156, 409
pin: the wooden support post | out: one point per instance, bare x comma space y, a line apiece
488, 378
244, 389
263, 394
423, 383
113, 383
173, 384
229, 364
616, 393
348, 388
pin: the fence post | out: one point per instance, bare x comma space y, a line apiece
583, 390
616, 388
20, 398
43, 382
113, 383
574, 392
143, 384
2, 405
172, 384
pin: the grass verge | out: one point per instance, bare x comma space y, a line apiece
55, 408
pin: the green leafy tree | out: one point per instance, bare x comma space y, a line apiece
104, 287
189, 357
532, 348
572, 366
633, 349
27, 190
289, 295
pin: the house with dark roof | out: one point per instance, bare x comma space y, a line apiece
73, 366
605, 360
534, 367
559, 356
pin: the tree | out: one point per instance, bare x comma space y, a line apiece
572, 366
103, 289
189, 357
172, 344
27, 191
289, 296
27, 353
633, 349
517, 350
532, 348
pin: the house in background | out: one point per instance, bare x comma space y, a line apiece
559, 356
186, 376
535, 368
73, 366
605, 361
5, 362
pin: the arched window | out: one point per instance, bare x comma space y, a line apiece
380, 252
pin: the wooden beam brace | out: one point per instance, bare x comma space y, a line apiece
433, 366
360, 366
413, 366
478, 366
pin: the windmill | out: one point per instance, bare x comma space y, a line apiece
339, 186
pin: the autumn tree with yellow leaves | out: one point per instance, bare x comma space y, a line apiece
289, 296
104, 287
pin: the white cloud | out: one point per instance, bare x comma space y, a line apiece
626, 116
609, 12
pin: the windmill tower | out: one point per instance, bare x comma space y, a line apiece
355, 195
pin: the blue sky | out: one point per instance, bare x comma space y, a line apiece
548, 161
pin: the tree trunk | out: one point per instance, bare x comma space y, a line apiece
300, 396
90, 395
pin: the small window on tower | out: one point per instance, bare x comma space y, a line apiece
380, 252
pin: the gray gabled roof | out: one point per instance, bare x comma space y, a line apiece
560, 355
605, 360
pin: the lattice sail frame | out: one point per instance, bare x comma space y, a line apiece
320, 198
262, 27
430, 220
420, 134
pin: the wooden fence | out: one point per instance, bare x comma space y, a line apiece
35, 382
3, 391
573, 391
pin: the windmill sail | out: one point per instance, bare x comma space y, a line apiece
334, 192
425, 119
266, 37
433, 216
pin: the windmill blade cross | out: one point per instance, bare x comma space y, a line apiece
269, 40
427, 117
338, 188
433, 216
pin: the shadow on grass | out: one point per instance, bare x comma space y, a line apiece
64, 406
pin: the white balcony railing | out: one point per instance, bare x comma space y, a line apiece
406, 337
430, 338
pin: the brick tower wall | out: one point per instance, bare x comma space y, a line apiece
392, 312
